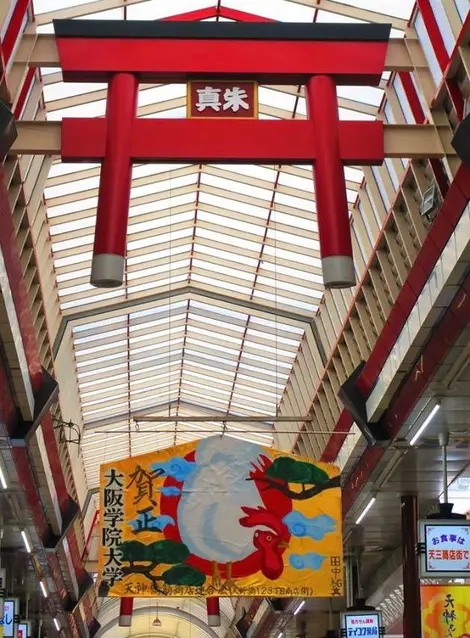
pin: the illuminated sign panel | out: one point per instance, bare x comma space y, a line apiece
444, 548
224, 99
361, 623
24, 629
9, 610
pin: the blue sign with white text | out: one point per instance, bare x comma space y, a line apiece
362, 624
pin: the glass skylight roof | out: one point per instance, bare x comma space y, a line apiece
223, 269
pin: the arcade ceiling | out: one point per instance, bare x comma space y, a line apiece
223, 269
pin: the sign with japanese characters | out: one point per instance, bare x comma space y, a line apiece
444, 548
445, 611
220, 517
9, 621
222, 99
361, 623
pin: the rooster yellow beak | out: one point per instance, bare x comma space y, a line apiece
283, 544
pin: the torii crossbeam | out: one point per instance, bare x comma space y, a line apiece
320, 56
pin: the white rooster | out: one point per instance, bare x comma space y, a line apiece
228, 527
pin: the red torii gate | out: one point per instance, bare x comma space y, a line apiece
319, 56
126, 53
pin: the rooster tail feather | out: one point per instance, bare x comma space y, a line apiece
265, 462
260, 466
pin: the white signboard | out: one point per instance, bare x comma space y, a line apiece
24, 629
445, 548
361, 623
9, 610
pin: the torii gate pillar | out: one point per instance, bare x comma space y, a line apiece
330, 188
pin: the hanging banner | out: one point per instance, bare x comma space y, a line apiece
445, 611
444, 548
222, 99
220, 517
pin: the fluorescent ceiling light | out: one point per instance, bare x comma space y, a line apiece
366, 509
26, 541
43, 589
3, 481
425, 424
57, 624
299, 608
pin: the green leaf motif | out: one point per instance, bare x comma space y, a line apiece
133, 551
184, 575
292, 471
169, 552
165, 551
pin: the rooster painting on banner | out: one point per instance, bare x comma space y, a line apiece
220, 517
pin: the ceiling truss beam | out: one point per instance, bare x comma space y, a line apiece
217, 418
194, 292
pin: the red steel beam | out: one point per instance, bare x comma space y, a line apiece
19, 292
192, 16
434, 32
418, 113
439, 234
25, 89
242, 16
14, 29
212, 12
455, 320
20, 455
444, 336
223, 141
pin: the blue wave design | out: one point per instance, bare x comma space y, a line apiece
149, 523
316, 528
306, 561
177, 467
170, 491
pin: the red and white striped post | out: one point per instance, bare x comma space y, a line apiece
213, 612
330, 186
125, 612
107, 270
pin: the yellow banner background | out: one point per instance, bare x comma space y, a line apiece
183, 492
445, 611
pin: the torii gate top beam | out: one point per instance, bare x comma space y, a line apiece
40, 50
270, 53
